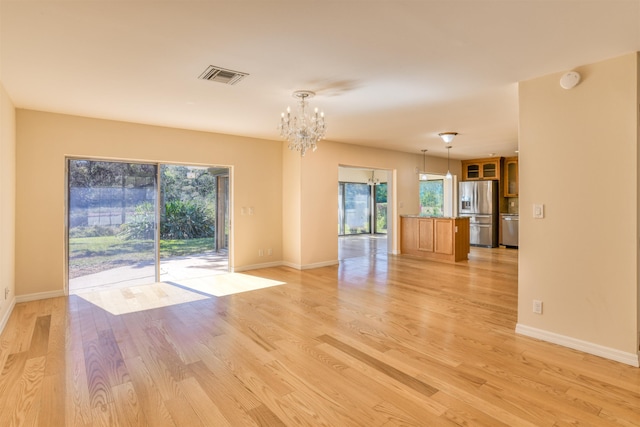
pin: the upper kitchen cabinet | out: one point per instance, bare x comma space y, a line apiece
511, 177
482, 169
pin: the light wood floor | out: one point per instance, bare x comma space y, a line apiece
375, 341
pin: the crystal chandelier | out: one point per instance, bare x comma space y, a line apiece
303, 130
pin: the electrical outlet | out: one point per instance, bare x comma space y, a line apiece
260, 252
269, 252
6, 293
537, 306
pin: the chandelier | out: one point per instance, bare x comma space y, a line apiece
303, 130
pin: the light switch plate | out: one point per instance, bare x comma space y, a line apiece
538, 211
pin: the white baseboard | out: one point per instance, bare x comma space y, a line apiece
39, 295
584, 346
7, 314
310, 266
320, 264
257, 266
292, 265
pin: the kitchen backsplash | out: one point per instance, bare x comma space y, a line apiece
512, 205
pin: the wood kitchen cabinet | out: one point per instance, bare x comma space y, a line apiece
511, 177
482, 169
442, 239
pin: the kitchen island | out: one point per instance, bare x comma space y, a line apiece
436, 238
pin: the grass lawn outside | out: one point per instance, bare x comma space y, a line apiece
89, 255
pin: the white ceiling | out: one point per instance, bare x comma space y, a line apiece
389, 74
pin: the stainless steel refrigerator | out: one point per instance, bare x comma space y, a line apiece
479, 202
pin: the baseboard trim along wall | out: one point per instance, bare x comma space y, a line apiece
256, 266
39, 295
320, 264
7, 314
310, 266
576, 344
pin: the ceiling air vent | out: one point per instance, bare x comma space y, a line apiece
221, 75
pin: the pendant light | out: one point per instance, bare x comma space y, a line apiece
423, 175
448, 175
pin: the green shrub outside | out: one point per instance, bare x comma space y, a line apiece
187, 220
181, 220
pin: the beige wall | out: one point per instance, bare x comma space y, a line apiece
579, 157
291, 207
45, 139
7, 204
318, 217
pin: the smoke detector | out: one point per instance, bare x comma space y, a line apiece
569, 80
222, 75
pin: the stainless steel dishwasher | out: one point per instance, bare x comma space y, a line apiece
509, 223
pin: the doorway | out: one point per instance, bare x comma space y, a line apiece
362, 212
134, 223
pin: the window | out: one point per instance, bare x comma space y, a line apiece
432, 197
380, 208
354, 206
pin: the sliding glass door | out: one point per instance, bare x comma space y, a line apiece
138, 223
111, 223
355, 208
193, 222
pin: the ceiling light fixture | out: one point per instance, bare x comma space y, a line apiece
423, 175
303, 130
447, 137
448, 175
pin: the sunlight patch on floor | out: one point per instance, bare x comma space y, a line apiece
228, 284
156, 295
138, 298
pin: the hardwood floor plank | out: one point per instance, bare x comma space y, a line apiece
399, 417
104, 415
181, 411
97, 376
384, 368
205, 409
11, 373
77, 404
57, 340
461, 413
327, 382
150, 400
127, 407
28, 393
226, 391
40, 338
52, 403
25, 326
112, 359
264, 417
388, 388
